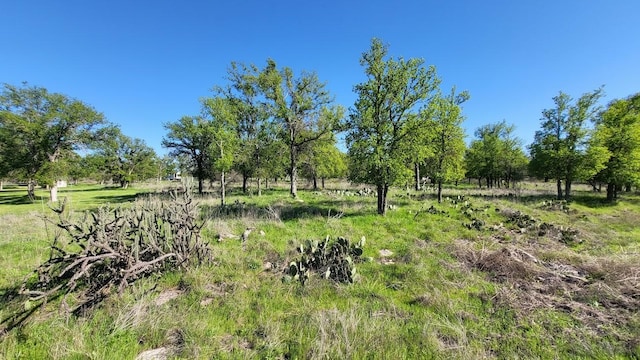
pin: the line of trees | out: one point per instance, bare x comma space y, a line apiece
270, 123
41, 134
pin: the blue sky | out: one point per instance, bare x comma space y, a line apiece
144, 63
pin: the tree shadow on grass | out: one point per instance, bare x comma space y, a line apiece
279, 211
16, 309
593, 202
19, 199
116, 199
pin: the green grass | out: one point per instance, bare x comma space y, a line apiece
423, 301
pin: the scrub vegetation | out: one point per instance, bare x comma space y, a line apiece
486, 273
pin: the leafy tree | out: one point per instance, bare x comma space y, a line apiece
559, 148
323, 160
191, 137
495, 155
272, 162
252, 115
332, 164
39, 129
167, 166
618, 130
446, 138
224, 137
380, 125
301, 107
125, 160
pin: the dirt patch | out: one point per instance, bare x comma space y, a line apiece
174, 342
168, 295
385, 257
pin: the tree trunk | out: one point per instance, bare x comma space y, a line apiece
31, 190
315, 183
567, 189
627, 187
200, 185
439, 191
382, 198
293, 189
611, 188
223, 191
322, 184
1, 185
259, 188
559, 186
245, 178
416, 172
53, 193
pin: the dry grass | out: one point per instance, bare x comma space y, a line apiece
596, 298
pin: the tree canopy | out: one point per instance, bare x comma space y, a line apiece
445, 138
302, 109
39, 129
559, 150
379, 124
496, 155
191, 137
618, 131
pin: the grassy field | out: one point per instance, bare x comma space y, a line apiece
486, 274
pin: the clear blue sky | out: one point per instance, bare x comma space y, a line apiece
144, 63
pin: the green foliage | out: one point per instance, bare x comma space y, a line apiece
223, 122
123, 159
421, 301
258, 151
380, 126
495, 155
618, 132
302, 110
38, 129
446, 138
192, 138
322, 159
333, 260
559, 150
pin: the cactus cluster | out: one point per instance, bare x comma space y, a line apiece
333, 260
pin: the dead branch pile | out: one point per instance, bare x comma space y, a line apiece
596, 291
111, 248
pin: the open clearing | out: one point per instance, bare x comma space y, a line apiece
502, 273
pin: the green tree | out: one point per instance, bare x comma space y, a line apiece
496, 155
252, 115
446, 140
380, 125
323, 160
167, 166
301, 107
123, 159
618, 130
559, 148
191, 137
224, 138
41, 128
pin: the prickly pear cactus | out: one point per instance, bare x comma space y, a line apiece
333, 260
